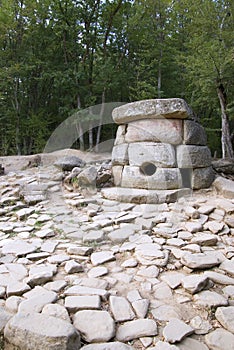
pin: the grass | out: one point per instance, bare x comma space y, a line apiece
1, 343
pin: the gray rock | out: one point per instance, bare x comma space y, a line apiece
120, 235
56, 310
97, 271
176, 330
40, 274
141, 307
121, 309
68, 163
209, 299
219, 278
120, 154
18, 248
225, 166
162, 179
93, 236
162, 291
81, 290
87, 177
224, 187
73, 267
201, 260
202, 177
155, 130
107, 346
220, 339
161, 345
173, 279
158, 108
165, 313
193, 156
195, 283
117, 171
194, 133
228, 266
17, 288
193, 226
136, 329
225, 316
94, 326
76, 303
102, 257
151, 254
12, 304
37, 301
160, 154
55, 286
4, 318
192, 344
204, 239
120, 134
39, 331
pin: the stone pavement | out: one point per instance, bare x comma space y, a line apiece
94, 274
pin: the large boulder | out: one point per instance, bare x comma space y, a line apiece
68, 163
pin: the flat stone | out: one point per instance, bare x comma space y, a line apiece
76, 303
93, 236
40, 331
159, 154
117, 171
193, 227
19, 248
200, 326
129, 263
81, 290
192, 344
17, 288
120, 235
219, 278
195, 283
225, 316
214, 226
72, 266
56, 286
40, 274
141, 307
165, 313
38, 301
107, 346
220, 339
136, 329
155, 130
201, 260
210, 299
149, 272
189, 156
12, 304
161, 345
68, 163
228, 266
133, 295
224, 187
204, 239
49, 246
79, 250
102, 257
162, 291
97, 271
150, 254
152, 109
94, 326
162, 179
58, 258
56, 310
202, 177
176, 330
24, 212
121, 309
173, 279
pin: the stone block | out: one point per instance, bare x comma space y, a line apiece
189, 156
156, 130
40, 331
163, 178
120, 154
194, 133
154, 109
202, 178
224, 187
117, 171
160, 154
120, 135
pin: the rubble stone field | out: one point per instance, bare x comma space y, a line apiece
78, 271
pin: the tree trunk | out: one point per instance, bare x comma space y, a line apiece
227, 149
100, 120
90, 136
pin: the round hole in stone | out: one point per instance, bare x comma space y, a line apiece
148, 169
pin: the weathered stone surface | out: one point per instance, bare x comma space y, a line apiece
140, 196
120, 134
194, 133
117, 171
4, 318
120, 154
18, 248
165, 313
107, 346
40, 274
160, 154
225, 316
121, 234
220, 339
94, 326
17, 288
208, 298
192, 344
73, 267
224, 187
219, 278
151, 254
202, 177
228, 266
121, 309
195, 283
87, 177
161, 345
162, 179
176, 330
141, 307
39, 331
173, 279
81, 290
204, 239
158, 108
155, 130
56, 310
99, 258
201, 260
200, 326
225, 166
40, 298
189, 156
68, 163
75, 303
136, 329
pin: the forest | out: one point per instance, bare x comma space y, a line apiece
59, 57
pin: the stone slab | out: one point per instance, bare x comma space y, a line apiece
155, 130
194, 133
202, 177
189, 156
120, 154
155, 108
224, 187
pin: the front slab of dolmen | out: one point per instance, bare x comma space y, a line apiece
160, 145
